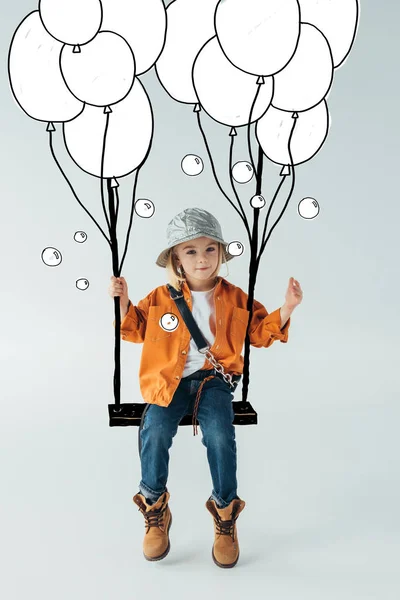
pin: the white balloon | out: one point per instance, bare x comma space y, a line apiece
80, 237
306, 80
82, 284
308, 208
192, 165
169, 322
273, 131
337, 20
129, 135
257, 202
144, 208
143, 24
35, 76
225, 92
235, 248
103, 72
71, 21
242, 172
51, 257
190, 26
258, 36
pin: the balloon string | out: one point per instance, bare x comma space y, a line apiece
102, 172
249, 127
70, 185
216, 178
264, 243
116, 212
131, 216
134, 194
234, 188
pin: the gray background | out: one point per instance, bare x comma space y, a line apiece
319, 473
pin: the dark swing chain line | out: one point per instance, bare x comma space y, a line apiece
252, 278
215, 175
117, 311
255, 265
71, 187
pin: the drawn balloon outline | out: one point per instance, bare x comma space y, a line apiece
60, 15
265, 42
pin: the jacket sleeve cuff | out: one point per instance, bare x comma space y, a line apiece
272, 324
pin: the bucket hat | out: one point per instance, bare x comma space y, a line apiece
188, 225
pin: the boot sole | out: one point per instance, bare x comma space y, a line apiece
221, 564
152, 559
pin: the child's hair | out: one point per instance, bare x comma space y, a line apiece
175, 279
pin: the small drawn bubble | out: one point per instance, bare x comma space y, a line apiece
51, 257
169, 322
192, 165
144, 208
235, 248
80, 237
242, 172
82, 284
257, 202
308, 208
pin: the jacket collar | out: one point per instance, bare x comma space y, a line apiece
220, 281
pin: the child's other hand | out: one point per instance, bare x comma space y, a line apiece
294, 293
119, 287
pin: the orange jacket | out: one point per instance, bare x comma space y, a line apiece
163, 355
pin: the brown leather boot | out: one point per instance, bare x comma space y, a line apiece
225, 551
158, 519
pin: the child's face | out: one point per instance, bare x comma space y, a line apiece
199, 258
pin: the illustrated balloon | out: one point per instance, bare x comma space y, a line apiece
34, 73
103, 72
192, 165
71, 21
225, 92
190, 26
242, 172
337, 20
142, 23
129, 134
258, 36
306, 80
274, 128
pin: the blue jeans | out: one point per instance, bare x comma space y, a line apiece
215, 416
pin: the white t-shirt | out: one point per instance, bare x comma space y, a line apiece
203, 312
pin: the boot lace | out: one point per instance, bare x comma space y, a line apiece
153, 518
226, 527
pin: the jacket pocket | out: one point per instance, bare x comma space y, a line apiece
240, 319
154, 331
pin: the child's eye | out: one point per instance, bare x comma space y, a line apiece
210, 248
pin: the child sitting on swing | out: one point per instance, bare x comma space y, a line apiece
173, 373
